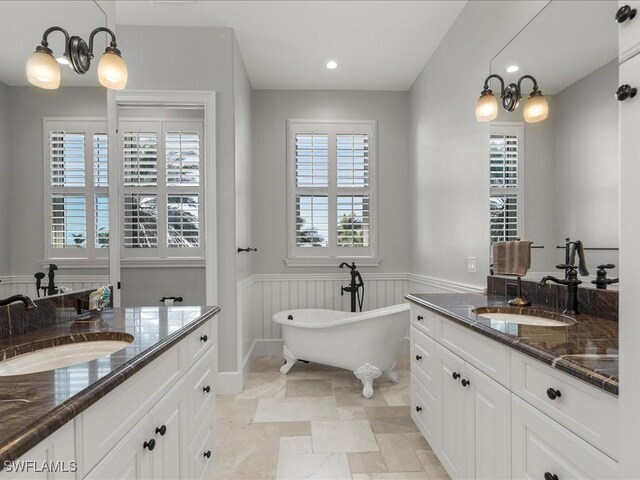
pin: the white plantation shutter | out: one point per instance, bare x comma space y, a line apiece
330, 191
161, 166
76, 191
505, 172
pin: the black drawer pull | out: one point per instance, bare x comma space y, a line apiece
553, 393
206, 389
204, 338
161, 430
420, 318
151, 444
625, 13
550, 476
418, 409
455, 375
418, 357
207, 454
465, 382
625, 91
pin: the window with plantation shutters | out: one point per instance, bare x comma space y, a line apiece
330, 194
161, 167
76, 189
505, 177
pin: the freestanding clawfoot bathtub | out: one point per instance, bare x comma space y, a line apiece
365, 343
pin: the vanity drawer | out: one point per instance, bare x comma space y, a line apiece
199, 341
542, 445
588, 412
200, 386
199, 463
488, 356
424, 320
422, 356
629, 32
424, 412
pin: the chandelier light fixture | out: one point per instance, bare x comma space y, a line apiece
43, 70
536, 108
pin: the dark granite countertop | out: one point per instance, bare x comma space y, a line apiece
35, 405
587, 349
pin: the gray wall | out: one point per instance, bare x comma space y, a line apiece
5, 180
27, 107
201, 59
271, 109
448, 147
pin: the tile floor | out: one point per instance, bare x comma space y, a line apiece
314, 423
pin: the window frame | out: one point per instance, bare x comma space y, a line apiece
162, 255
90, 256
328, 256
513, 129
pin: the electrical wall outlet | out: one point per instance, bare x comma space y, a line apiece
471, 264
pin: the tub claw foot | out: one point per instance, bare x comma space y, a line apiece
367, 374
290, 361
391, 373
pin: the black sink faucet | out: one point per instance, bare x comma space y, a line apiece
572, 282
51, 289
28, 303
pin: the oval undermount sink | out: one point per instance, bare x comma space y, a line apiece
60, 356
532, 317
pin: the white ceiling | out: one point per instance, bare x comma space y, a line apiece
22, 24
565, 42
378, 45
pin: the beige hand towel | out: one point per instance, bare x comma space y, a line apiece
512, 258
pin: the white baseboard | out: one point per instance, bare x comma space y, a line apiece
271, 347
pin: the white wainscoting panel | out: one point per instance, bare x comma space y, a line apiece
26, 284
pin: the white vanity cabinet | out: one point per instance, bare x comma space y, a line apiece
629, 32
486, 413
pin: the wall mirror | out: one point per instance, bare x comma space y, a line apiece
559, 178
53, 213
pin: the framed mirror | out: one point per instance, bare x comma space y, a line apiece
559, 178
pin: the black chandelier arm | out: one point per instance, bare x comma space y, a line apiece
494, 75
98, 30
535, 82
48, 31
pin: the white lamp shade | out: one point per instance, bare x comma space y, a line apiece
536, 109
486, 108
43, 71
112, 71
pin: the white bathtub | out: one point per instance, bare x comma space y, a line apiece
366, 343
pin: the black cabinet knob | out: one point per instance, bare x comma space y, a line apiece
553, 393
151, 444
420, 318
550, 476
161, 430
207, 454
204, 338
418, 357
625, 91
455, 375
465, 382
418, 409
206, 389
625, 13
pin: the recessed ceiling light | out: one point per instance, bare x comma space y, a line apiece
331, 65
513, 68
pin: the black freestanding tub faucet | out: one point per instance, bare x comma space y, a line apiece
355, 288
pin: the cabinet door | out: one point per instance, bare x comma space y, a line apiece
166, 427
488, 423
629, 38
452, 428
129, 459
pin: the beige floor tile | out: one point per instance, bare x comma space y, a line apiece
352, 397
343, 436
432, 465
417, 441
264, 386
351, 413
296, 409
390, 419
249, 461
392, 476
267, 364
295, 445
366, 462
326, 466
397, 453
308, 388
